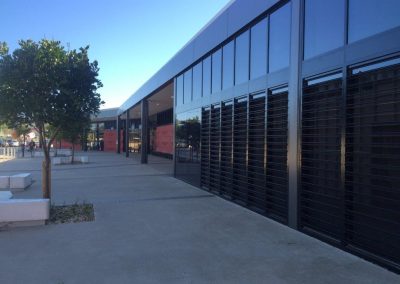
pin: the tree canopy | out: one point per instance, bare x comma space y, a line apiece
47, 87
43, 84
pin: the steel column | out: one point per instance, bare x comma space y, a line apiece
127, 134
118, 135
145, 131
293, 112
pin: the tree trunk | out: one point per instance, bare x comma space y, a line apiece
73, 153
46, 165
46, 177
23, 148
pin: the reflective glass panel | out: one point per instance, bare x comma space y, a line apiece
207, 76
179, 90
187, 86
369, 17
197, 83
227, 65
279, 38
216, 71
324, 26
242, 58
258, 52
187, 146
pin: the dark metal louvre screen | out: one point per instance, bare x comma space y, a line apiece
276, 168
226, 148
321, 195
205, 147
256, 148
372, 179
239, 182
215, 148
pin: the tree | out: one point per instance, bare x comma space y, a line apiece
74, 132
46, 87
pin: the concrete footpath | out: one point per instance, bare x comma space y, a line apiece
152, 228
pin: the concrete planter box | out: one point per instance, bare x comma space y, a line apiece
24, 212
20, 181
4, 182
5, 195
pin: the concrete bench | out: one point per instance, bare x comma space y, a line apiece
40, 154
64, 152
4, 182
81, 159
20, 181
24, 212
61, 160
67, 160
5, 195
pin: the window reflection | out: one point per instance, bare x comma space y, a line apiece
227, 65
324, 26
197, 73
179, 90
207, 76
258, 53
216, 71
369, 17
279, 38
187, 146
242, 58
187, 86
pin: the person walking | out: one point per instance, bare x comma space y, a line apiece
31, 147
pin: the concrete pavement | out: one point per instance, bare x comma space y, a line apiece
152, 228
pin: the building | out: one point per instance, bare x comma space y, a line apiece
291, 109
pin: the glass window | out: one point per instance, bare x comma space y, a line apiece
197, 83
258, 51
216, 71
242, 58
187, 86
227, 65
207, 76
179, 90
279, 38
187, 146
369, 17
324, 26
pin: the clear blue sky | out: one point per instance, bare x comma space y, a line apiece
131, 39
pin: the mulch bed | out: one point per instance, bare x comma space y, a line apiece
71, 213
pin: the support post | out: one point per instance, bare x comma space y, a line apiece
145, 131
127, 134
118, 135
295, 92
97, 137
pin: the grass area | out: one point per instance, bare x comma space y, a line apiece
71, 213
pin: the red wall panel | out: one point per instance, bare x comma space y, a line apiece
110, 140
163, 139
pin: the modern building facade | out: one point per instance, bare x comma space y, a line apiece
291, 109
